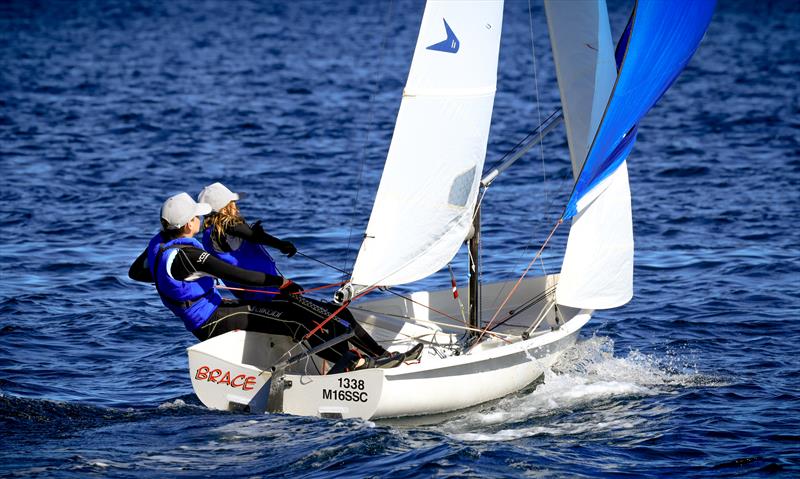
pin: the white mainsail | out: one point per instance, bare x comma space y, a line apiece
598, 263
425, 202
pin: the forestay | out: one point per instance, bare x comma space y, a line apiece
425, 202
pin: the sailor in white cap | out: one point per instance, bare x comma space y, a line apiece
184, 274
230, 238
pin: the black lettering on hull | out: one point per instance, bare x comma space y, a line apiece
344, 395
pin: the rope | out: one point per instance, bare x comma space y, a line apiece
333, 315
324, 264
519, 281
536, 86
525, 306
231, 288
438, 323
423, 305
549, 207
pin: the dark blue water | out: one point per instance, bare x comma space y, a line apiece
107, 108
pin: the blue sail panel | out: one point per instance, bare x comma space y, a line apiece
663, 37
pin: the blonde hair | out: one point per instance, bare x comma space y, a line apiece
223, 219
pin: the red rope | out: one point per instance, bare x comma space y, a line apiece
333, 315
231, 288
519, 281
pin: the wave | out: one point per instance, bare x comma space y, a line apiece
588, 380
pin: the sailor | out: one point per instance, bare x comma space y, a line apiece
184, 273
227, 236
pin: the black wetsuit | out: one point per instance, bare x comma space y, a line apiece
283, 315
253, 234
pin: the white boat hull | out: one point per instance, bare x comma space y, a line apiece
492, 369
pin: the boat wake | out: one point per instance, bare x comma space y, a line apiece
587, 391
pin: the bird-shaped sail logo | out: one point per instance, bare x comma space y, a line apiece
448, 45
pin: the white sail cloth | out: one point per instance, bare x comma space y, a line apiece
425, 202
598, 263
580, 37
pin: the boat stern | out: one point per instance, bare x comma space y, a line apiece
232, 371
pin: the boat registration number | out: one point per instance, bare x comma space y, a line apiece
351, 390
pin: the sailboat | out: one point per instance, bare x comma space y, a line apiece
428, 205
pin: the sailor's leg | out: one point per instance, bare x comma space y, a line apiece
362, 339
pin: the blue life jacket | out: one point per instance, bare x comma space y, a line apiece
248, 255
152, 250
192, 301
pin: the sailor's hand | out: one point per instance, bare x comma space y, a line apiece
290, 287
288, 249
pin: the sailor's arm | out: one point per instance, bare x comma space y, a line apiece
139, 270
256, 234
190, 261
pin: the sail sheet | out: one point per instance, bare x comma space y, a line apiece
663, 37
426, 198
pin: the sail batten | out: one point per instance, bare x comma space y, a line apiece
449, 92
426, 198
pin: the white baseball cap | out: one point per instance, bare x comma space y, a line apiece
181, 208
217, 195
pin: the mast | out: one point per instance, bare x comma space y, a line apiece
475, 272
474, 241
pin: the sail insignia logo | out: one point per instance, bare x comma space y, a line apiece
448, 45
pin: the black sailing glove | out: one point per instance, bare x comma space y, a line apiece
288, 248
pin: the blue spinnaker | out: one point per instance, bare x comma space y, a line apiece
664, 35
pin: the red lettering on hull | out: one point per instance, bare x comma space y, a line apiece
240, 381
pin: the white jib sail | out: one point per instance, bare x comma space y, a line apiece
424, 205
598, 263
580, 37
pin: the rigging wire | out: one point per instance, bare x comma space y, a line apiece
541, 155
525, 306
523, 141
323, 263
536, 86
519, 281
344, 272
530, 242
408, 319
370, 119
